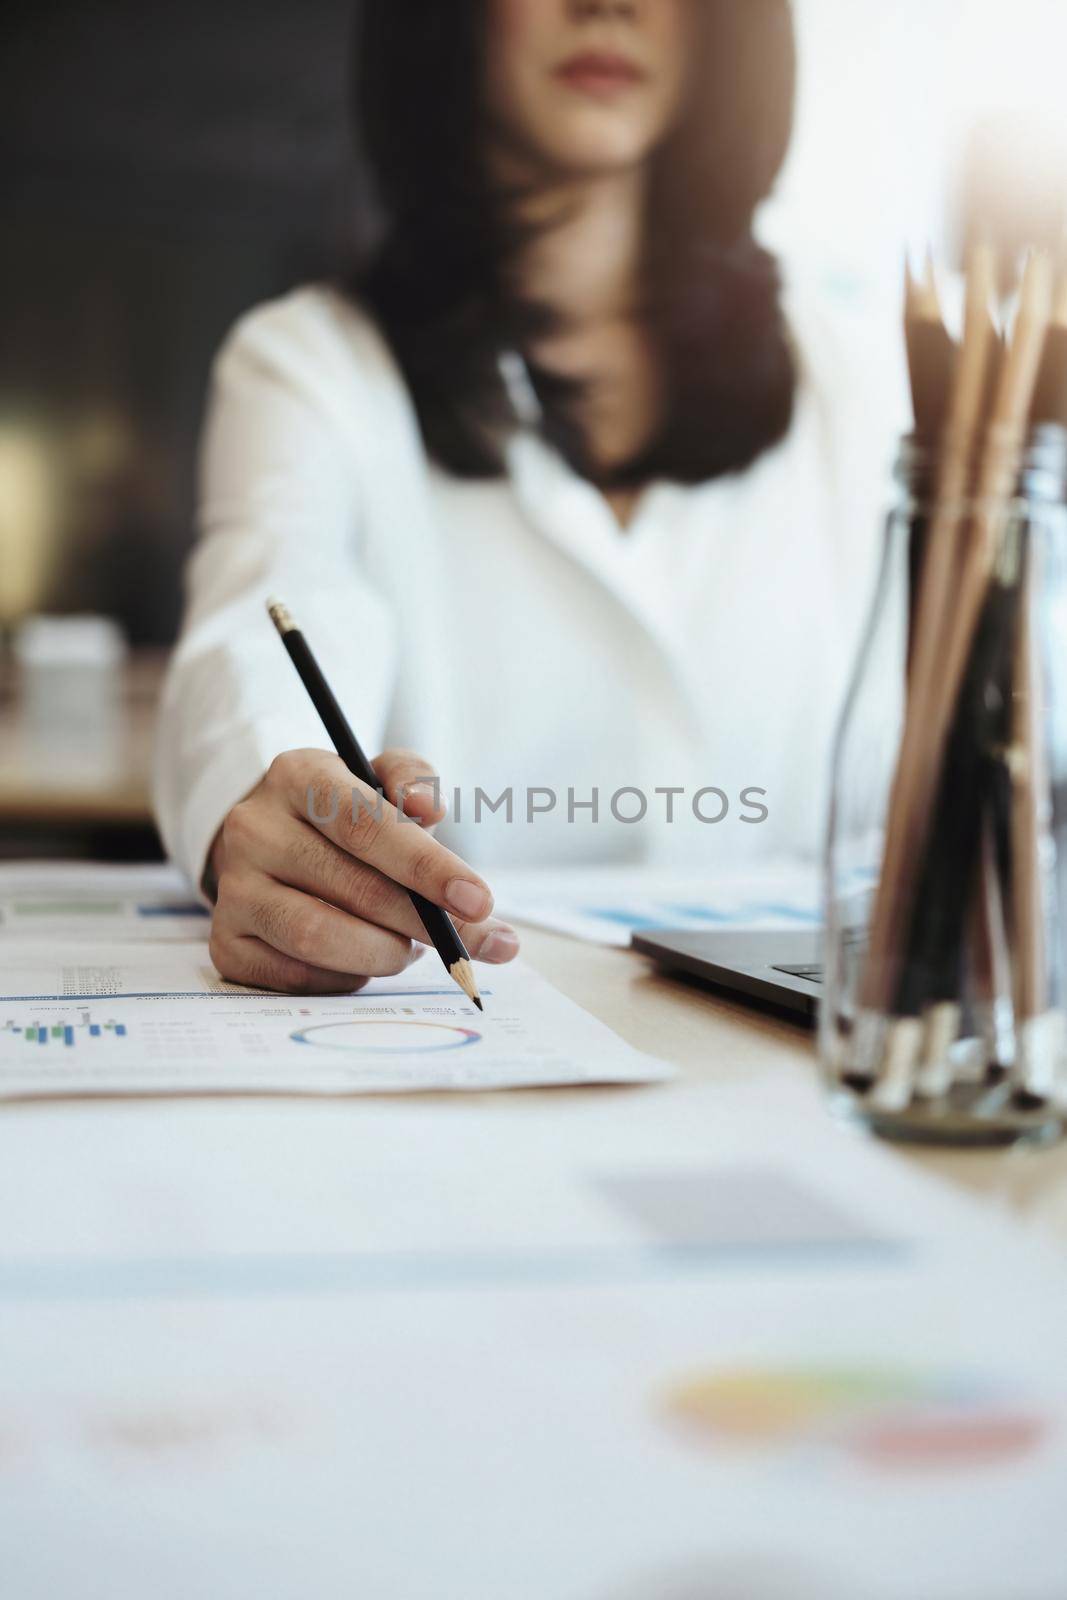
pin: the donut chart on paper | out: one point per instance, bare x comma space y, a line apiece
378, 1036
892, 1421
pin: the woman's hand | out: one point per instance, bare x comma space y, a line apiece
311, 871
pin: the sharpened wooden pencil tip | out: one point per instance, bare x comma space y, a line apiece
982, 278
910, 286
1038, 285
463, 973
1059, 314
930, 274
922, 301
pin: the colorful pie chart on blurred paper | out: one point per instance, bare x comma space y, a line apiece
890, 1421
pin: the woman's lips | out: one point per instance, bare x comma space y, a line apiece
600, 73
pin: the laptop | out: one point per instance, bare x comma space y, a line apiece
780, 971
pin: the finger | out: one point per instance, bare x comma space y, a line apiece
312, 932
317, 866
494, 942
247, 960
320, 788
290, 850
411, 784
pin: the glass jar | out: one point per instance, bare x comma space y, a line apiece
945, 997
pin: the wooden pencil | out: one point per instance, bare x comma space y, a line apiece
931, 354
903, 849
955, 893
1050, 398
967, 802
439, 926
960, 904
953, 595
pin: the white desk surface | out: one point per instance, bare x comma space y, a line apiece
713, 1040
499, 1437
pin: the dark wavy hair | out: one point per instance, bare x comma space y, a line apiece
437, 280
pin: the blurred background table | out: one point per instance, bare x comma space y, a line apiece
81, 797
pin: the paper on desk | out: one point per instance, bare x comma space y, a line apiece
303, 1332
87, 900
325, 1194
440, 1443
112, 1027
607, 905
92, 969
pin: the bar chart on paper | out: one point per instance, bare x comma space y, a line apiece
393, 1036
234, 1043
66, 1034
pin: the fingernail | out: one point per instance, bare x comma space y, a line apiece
468, 900
423, 791
500, 945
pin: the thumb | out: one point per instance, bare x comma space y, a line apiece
411, 784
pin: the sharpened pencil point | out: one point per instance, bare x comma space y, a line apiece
1059, 315
463, 973
930, 275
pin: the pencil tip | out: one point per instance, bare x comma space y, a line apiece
463, 973
910, 286
931, 288
922, 301
1038, 284
1059, 315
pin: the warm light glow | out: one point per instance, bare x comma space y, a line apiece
27, 520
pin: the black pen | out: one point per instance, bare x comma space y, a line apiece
438, 924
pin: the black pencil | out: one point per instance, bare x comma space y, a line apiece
439, 928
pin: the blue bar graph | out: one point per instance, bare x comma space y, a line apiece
68, 1032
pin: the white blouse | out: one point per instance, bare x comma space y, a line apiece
511, 631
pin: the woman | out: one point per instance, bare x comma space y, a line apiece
563, 489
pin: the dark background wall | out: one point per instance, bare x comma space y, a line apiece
163, 167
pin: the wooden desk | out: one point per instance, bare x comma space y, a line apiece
713, 1040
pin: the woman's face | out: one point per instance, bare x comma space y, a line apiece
586, 87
